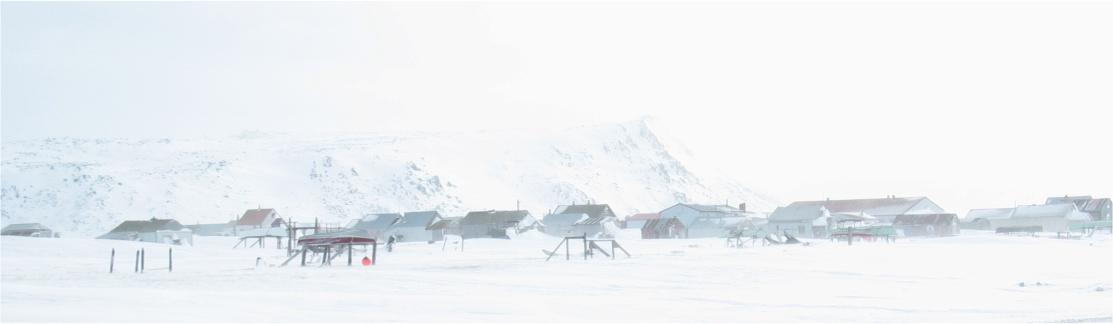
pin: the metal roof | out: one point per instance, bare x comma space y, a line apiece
418, 219
145, 226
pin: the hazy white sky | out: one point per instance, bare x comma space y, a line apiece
973, 105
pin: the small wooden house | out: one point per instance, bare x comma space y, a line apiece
153, 230
263, 218
688, 213
663, 228
446, 226
576, 220
496, 223
801, 220
414, 227
28, 229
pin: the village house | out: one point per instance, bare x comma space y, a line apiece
414, 227
664, 228
376, 226
153, 230
1100, 209
1055, 218
575, 220
801, 220
446, 226
688, 213
979, 219
884, 209
28, 229
496, 223
259, 222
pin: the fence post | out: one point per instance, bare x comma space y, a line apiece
112, 261
374, 252
171, 260
136, 261
142, 260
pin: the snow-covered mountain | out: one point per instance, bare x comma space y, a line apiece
84, 187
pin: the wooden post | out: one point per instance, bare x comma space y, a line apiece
303, 250
112, 261
349, 254
328, 248
374, 251
584, 238
612, 249
142, 260
136, 261
171, 260
567, 250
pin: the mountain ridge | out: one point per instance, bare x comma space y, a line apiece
87, 186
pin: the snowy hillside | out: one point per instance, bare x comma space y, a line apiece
83, 187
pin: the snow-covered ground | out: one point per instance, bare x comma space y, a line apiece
972, 277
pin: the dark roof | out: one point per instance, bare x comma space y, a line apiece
661, 223
494, 216
255, 217
601, 210
418, 219
145, 226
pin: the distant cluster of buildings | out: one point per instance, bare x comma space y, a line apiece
1056, 214
909, 216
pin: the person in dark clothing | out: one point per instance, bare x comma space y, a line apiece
390, 244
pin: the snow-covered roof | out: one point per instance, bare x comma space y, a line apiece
418, 219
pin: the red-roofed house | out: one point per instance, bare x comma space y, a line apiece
259, 218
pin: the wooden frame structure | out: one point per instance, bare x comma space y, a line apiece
329, 246
589, 247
